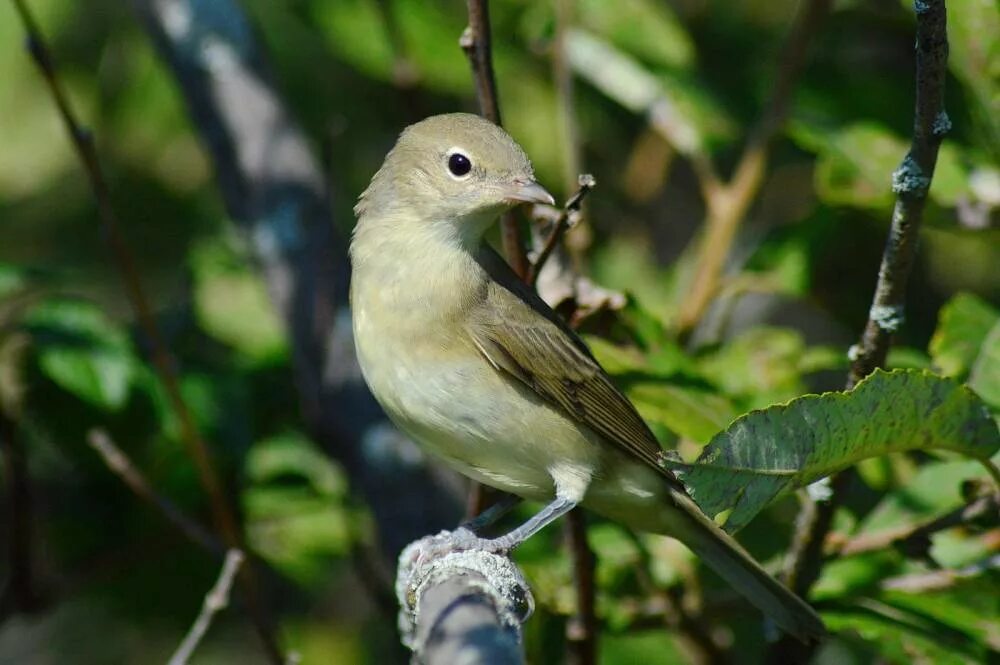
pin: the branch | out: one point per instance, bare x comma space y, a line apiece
215, 600
122, 466
274, 190
19, 594
163, 363
476, 43
581, 629
914, 540
911, 182
937, 580
728, 203
461, 606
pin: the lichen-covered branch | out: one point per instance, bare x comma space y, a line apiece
461, 605
911, 182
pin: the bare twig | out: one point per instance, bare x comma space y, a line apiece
910, 182
116, 460
914, 540
563, 222
20, 593
476, 43
727, 204
215, 601
936, 580
581, 629
198, 450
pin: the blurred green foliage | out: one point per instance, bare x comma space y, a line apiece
656, 82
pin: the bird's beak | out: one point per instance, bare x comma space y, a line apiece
529, 191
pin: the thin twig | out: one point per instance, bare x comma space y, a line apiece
19, 594
581, 629
119, 463
163, 363
562, 223
727, 204
914, 540
476, 43
216, 600
910, 182
936, 580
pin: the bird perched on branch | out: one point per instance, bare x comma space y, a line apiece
473, 365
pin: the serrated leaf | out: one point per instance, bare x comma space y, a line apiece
82, 351
790, 445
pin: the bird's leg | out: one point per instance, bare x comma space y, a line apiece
486, 518
551, 512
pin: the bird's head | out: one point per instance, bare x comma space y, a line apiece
457, 169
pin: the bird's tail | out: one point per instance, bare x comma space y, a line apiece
733, 564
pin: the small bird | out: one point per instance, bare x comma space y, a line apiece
468, 361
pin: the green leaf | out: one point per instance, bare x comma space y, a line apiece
82, 351
963, 324
974, 57
294, 506
966, 344
232, 304
682, 111
645, 28
791, 445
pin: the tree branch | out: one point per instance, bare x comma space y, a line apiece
911, 182
215, 600
915, 540
461, 606
728, 203
122, 466
19, 594
581, 629
476, 43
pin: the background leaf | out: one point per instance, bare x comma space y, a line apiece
791, 445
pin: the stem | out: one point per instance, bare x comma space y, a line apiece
476, 43
728, 203
215, 600
581, 629
566, 219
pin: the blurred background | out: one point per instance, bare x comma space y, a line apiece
239, 249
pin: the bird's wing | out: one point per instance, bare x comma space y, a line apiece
520, 335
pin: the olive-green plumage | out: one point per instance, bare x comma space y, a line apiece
481, 372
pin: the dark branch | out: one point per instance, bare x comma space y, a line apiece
20, 593
476, 43
120, 464
163, 362
581, 628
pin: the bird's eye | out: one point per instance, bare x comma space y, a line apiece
459, 164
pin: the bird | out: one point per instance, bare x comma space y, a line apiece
468, 361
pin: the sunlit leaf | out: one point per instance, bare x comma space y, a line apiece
82, 351
791, 445
966, 344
